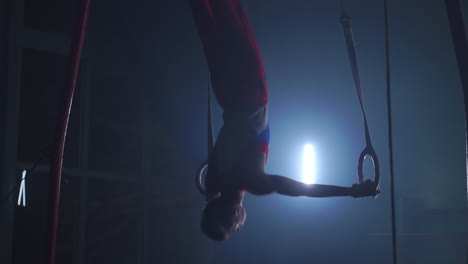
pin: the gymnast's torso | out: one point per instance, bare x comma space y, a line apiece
242, 138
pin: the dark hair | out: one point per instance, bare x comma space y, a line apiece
220, 219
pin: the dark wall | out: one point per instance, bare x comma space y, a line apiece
4, 7
3, 82
3, 70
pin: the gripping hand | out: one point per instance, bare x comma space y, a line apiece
364, 189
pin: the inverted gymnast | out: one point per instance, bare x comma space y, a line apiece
237, 163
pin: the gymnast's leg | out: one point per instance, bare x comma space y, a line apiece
232, 54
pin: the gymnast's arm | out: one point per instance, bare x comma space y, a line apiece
260, 183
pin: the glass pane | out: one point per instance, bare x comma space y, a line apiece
29, 242
115, 143
113, 224
31, 222
42, 87
69, 220
50, 15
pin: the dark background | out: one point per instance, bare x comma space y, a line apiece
138, 132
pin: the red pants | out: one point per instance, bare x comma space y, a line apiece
233, 58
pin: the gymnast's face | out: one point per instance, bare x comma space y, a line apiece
238, 221
220, 221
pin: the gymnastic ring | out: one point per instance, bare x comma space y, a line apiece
369, 151
198, 178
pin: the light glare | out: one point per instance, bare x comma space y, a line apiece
22, 192
308, 164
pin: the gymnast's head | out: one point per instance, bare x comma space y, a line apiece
221, 218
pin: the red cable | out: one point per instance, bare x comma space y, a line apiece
61, 129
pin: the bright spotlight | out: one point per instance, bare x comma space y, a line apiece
308, 164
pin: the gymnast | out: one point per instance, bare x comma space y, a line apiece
237, 163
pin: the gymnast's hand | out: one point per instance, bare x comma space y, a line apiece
364, 189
